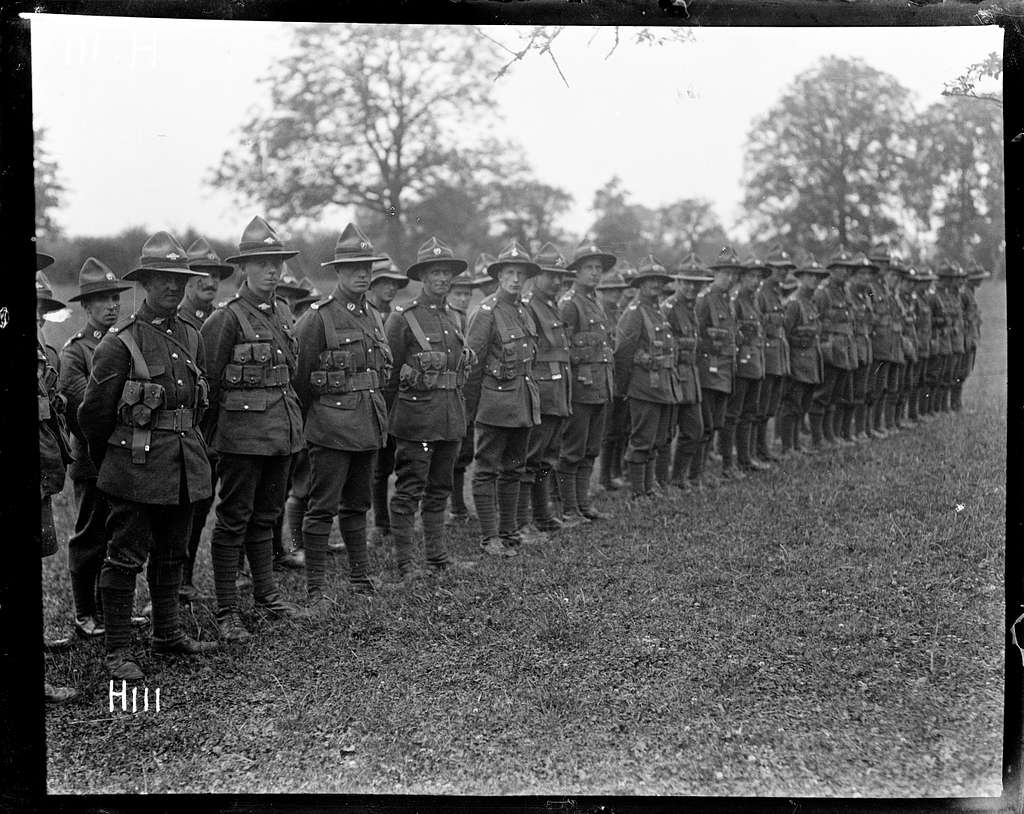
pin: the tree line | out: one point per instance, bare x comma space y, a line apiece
401, 123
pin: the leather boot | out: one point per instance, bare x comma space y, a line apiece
604, 478
434, 544
485, 496
524, 509
846, 423
402, 537
784, 429
508, 499
651, 487
837, 424
876, 428
459, 510
816, 421
889, 415
540, 498
571, 515
583, 492
618, 460
118, 587
315, 546
353, 533
637, 474
826, 426
661, 464
696, 473
682, 466
761, 443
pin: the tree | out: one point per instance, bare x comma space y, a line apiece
828, 162
688, 225
966, 84
50, 189
959, 178
620, 226
369, 116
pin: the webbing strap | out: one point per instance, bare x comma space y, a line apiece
417, 331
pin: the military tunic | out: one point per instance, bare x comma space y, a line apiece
54, 447
344, 361
861, 304
776, 350
505, 401
957, 339
941, 348
140, 415
716, 356
837, 347
807, 369
681, 319
645, 372
741, 409
972, 330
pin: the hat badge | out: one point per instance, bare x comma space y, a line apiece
437, 250
363, 244
173, 256
268, 239
39, 286
514, 252
110, 275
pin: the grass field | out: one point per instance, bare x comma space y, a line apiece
833, 627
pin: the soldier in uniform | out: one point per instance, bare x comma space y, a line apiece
716, 353
503, 398
891, 279
254, 425
884, 354
837, 348
54, 447
941, 348
645, 373
590, 356
950, 275
459, 295
99, 292
344, 362
803, 332
553, 378
428, 414
858, 289
908, 319
140, 416
921, 279
741, 408
385, 281
610, 293
776, 349
972, 326
678, 309
481, 279
195, 307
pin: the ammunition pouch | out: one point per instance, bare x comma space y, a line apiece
589, 348
333, 382
248, 377
335, 359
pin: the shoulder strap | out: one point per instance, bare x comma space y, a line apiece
238, 307
190, 351
138, 360
546, 329
648, 323
330, 335
417, 330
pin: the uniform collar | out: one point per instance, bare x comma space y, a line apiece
357, 303
264, 305
192, 307
384, 308
428, 299
94, 329
147, 314
505, 296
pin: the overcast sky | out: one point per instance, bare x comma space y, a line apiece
138, 110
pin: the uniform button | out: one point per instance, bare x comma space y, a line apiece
245, 406
174, 356
181, 434
180, 382
123, 443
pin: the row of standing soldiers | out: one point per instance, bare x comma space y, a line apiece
308, 402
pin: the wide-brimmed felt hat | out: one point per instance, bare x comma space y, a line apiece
44, 294
311, 293
463, 279
841, 258
925, 275
650, 268
353, 246
387, 270
95, 278
514, 253
691, 264
811, 266
260, 240
864, 263
976, 272
201, 255
43, 260
163, 252
789, 282
588, 249
549, 258
754, 263
879, 252
289, 285
779, 258
727, 260
612, 280
950, 270
434, 250
896, 263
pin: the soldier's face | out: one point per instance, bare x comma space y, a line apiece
589, 272
511, 277
385, 290
262, 274
203, 289
610, 296
839, 274
103, 309
460, 296
651, 289
777, 275
808, 282
546, 283
892, 278
164, 290
724, 278
437, 278
354, 278
749, 280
